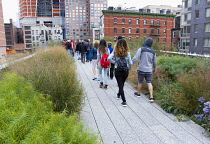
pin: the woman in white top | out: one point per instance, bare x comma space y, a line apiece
122, 59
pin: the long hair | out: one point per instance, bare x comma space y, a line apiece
102, 47
121, 49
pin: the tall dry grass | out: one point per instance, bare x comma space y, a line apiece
53, 72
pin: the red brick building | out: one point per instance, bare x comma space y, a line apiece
134, 25
2, 36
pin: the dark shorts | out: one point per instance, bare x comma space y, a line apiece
144, 75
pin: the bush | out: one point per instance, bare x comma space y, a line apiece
53, 72
193, 84
175, 65
28, 117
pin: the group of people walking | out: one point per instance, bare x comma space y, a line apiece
107, 61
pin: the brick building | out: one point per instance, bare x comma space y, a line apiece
14, 37
133, 25
2, 36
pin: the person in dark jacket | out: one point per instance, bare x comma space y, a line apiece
89, 48
77, 49
69, 47
93, 58
147, 66
83, 51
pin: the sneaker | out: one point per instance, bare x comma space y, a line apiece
124, 104
118, 96
94, 78
151, 99
136, 94
101, 85
105, 87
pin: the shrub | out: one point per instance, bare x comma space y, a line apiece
53, 72
175, 65
193, 84
28, 117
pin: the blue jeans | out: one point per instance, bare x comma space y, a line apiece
88, 55
103, 79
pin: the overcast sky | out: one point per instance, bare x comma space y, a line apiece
10, 7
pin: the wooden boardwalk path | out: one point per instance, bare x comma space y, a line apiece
141, 122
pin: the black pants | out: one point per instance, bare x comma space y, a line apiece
111, 71
121, 76
83, 54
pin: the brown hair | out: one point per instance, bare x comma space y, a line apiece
121, 49
96, 43
102, 47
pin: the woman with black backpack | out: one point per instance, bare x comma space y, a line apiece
122, 59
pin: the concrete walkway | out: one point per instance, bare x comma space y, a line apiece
141, 122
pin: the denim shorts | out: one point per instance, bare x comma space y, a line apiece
144, 75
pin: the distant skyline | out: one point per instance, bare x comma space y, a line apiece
10, 7
142, 3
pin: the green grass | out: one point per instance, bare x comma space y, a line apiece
53, 72
27, 117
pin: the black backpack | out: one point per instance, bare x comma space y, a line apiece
122, 64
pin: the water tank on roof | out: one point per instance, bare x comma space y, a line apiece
110, 8
141, 10
118, 8
168, 12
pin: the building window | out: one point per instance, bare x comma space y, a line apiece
195, 41
33, 38
123, 20
123, 30
115, 20
174, 34
206, 42
196, 28
145, 22
196, 13
137, 37
207, 12
137, 21
152, 22
152, 31
32, 32
207, 27
164, 40
145, 31
37, 38
129, 30
164, 31
55, 37
157, 39
165, 22
115, 30
129, 21
137, 30
197, 2
158, 22
36, 32
158, 31
27, 27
